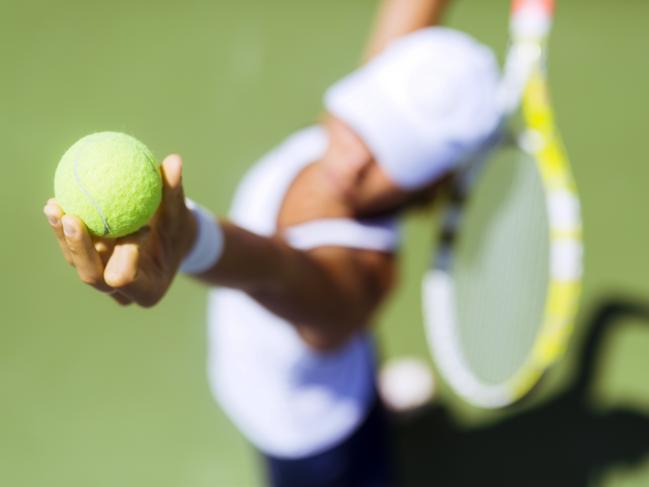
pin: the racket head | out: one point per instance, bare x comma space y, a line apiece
502, 293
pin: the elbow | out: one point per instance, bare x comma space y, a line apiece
340, 327
323, 342
329, 337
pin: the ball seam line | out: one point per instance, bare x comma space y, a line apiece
151, 162
87, 194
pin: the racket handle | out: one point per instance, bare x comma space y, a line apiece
531, 19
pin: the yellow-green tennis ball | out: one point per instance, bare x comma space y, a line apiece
111, 181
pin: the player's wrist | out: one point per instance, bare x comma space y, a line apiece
204, 243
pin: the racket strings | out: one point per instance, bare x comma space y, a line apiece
501, 270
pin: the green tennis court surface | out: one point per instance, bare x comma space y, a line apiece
95, 395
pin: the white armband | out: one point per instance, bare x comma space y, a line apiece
208, 246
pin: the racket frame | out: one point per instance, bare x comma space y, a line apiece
524, 86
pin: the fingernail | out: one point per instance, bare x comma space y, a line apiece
68, 229
52, 219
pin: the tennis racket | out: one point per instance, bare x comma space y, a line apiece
503, 288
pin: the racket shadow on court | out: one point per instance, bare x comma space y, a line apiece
565, 441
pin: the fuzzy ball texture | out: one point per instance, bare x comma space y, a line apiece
111, 181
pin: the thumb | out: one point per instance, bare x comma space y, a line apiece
172, 168
172, 190
173, 206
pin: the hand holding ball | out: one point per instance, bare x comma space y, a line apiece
111, 181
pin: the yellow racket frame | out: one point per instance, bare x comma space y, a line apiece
564, 287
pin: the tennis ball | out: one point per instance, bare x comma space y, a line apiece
111, 181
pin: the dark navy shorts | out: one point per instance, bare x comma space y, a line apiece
362, 460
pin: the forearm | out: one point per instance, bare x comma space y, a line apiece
399, 17
327, 294
249, 262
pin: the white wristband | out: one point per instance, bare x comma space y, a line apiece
208, 246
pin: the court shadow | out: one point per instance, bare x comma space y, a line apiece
566, 441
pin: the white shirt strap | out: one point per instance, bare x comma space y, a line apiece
380, 235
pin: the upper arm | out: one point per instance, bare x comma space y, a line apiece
397, 18
361, 279
337, 298
364, 276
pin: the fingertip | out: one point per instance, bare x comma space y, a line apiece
102, 246
172, 167
173, 158
121, 269
72, 226
118, 276
113, 278
53, 207
53, 214
173, 163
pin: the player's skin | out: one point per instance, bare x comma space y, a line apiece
328, 293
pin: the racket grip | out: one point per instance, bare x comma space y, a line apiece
531, 19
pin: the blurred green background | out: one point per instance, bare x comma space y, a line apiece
96, 395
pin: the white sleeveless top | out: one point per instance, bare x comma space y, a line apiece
288, 400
